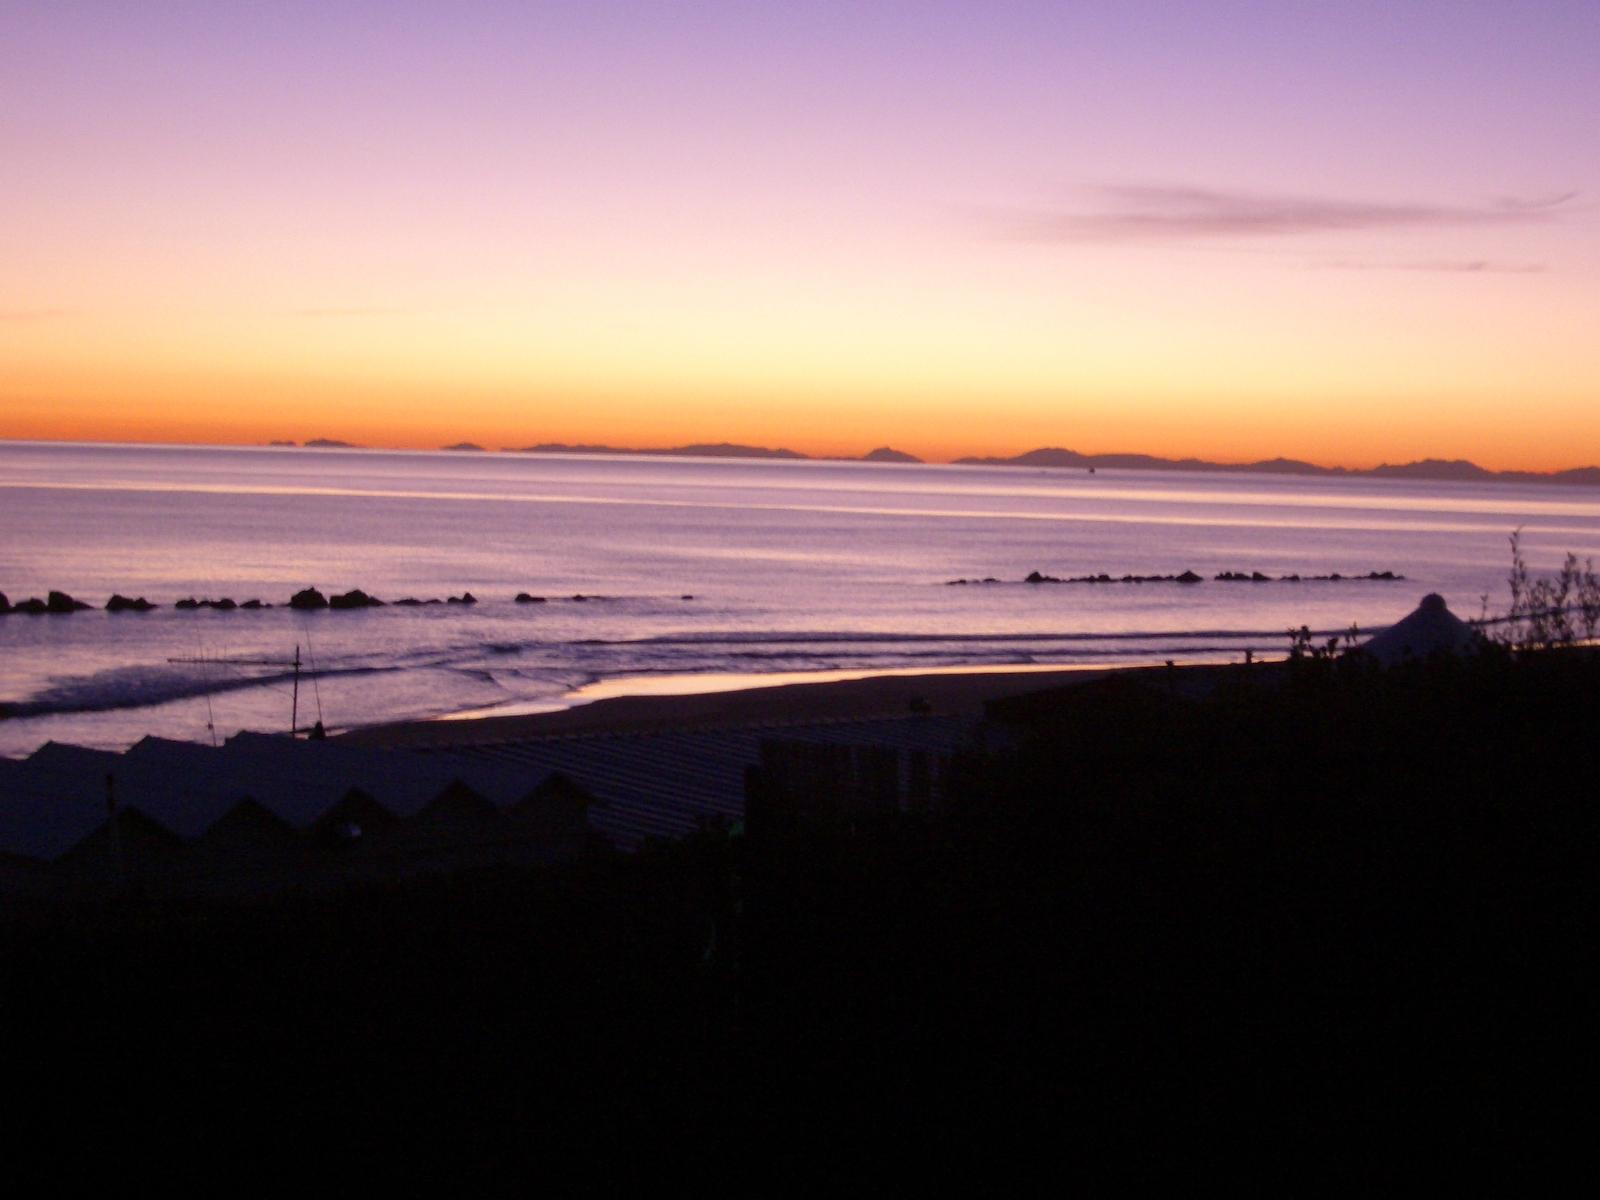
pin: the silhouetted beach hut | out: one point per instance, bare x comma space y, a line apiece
557, 811
1431, 629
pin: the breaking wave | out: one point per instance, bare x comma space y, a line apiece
146, 686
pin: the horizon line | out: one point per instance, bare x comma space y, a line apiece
461, 447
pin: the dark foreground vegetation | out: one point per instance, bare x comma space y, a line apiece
1322, 910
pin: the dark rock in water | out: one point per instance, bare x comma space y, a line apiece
254, 604
5, 605
187, 602
407, 602
226, 604
1190, 577
464, 598
355, 598
686, 596
524, 598
1336, 577
308, 598
579, 598
121, 603
32, 605
60, 602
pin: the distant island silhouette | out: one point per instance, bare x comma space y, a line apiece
1055, 458
1458, 469
696, 450
883, 454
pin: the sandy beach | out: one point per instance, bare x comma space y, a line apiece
793, 703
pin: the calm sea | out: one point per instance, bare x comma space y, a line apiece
711, 569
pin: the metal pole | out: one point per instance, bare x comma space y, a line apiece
113, 830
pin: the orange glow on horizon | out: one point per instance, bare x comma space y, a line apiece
400, 427
1158, 357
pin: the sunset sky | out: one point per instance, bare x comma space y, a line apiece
1346, 232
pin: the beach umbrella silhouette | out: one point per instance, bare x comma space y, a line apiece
1430, 629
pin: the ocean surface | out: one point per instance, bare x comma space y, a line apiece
696, 573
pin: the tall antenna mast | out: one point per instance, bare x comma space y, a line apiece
294, 697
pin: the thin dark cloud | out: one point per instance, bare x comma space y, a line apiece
1467, 266
356, 311
1169, 214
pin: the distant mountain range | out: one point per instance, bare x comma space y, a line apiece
1056, 458
1460, 468
1427, 468
713, 450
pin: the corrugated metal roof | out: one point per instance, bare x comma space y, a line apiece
57, 796
666, 785
646, 785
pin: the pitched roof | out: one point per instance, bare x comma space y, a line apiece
644, 785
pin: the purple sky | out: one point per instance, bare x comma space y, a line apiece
1104, 224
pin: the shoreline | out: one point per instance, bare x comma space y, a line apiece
864, 697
